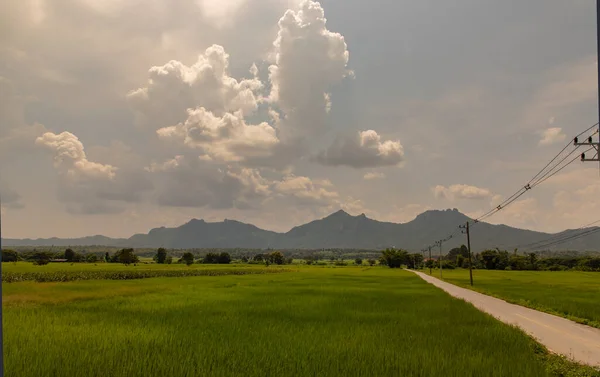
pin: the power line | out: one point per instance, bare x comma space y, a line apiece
554, 237
559, 153
543, 175
539, 178
566, 239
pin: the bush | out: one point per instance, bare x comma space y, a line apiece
340, 263
372, 262
41, 262
358, 261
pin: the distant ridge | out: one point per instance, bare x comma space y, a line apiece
338, 230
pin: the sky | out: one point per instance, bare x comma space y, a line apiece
118, 116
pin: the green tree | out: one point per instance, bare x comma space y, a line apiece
415, 260
9, 256
69, 255
107, 257
224, 258
358, 261
161, 255
126, 256
91, 258
211, 258
276, 257
532, 261
372, 262
395, 258
40, 258
188, 258
460, 260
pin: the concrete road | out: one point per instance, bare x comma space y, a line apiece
559, 335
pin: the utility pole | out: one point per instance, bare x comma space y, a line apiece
589, 140
431, 262
440, 245
466, 227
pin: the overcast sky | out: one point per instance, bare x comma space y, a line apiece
117, 116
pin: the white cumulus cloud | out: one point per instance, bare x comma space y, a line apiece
308, 60
70, 157
174, 88
227, 138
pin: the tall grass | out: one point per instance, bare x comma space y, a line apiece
63, 276
570, 294
317, 322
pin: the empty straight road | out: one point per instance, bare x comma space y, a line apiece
559, 335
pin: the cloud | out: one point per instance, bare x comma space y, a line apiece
305, 191
308, 60
220, 12
15, 133
566, 87
192, 182
89, 187
460, 191
227, 138
185, 181
174, 88
71, 159
552, 135
373, 175
363, 150
10, 198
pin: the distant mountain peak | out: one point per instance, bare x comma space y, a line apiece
340, 213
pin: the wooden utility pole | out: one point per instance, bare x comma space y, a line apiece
440, 245
430, 261
466, 227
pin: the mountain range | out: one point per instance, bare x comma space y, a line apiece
338, 230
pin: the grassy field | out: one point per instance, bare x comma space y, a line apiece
570, 294
312, 322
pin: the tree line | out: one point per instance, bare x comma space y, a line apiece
394, 258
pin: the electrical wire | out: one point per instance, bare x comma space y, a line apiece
537, 179
566, 239
556, 237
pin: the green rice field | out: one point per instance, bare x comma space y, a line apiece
313, 321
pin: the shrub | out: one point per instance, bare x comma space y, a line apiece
41, 262
358, 261
340, 263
